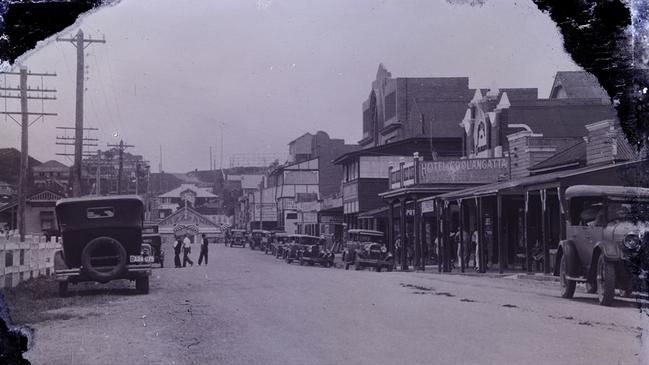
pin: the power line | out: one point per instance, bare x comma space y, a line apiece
24, 124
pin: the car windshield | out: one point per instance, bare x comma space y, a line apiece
628, 210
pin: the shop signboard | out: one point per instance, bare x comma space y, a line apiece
474, 170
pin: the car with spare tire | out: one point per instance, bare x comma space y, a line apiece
607, 241
102, 241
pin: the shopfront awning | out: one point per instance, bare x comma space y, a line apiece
375, 213
518, 186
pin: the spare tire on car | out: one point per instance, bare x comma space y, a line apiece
103, 259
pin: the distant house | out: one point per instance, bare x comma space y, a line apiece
51, 172
39, 211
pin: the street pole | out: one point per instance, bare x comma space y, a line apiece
98, 182
24, 154
121, 146
24, 124
80, 43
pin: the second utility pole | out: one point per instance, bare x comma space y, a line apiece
80, 43
121, 147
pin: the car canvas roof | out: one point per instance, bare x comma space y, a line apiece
110, 198
366, 232
633, 192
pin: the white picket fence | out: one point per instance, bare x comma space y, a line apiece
20, 261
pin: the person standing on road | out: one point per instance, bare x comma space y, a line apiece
187, 249
178, 246
203, 254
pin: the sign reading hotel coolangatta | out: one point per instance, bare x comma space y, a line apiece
478, 170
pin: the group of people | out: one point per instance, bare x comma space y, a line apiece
184, 245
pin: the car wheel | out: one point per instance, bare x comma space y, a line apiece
142, 285
358, 267
289, 261
63, 289
389, 268
605, 281
567, 286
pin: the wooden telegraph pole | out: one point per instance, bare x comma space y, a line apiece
24, 123
121, 146
81, 44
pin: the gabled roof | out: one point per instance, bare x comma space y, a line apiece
403, 147
200, 193
573, 156
577, 84
179, 215
559, 117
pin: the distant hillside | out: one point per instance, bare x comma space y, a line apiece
10, 165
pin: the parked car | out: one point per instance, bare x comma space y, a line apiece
296, 243
316, 253
151, 237
102, 241
259, 239
366, 248
238, 237
280, 240
606, 245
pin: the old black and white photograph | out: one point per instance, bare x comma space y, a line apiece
324, 182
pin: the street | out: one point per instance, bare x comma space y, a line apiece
250, 308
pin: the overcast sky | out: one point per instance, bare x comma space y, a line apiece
271, 70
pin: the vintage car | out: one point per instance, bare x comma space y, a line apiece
238, 237
296, 243
102, 241
151, 237
259, 239
366, 248
277, 244
606, 245
316, 253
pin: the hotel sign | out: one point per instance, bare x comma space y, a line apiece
475, 170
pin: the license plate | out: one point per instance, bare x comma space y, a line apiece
140, 259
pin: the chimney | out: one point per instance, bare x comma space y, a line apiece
603, 142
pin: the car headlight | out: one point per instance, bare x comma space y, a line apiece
632, 241
384, 249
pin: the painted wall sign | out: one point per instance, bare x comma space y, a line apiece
477, 170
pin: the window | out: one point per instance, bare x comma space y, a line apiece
100, 212
587, 211
291, 215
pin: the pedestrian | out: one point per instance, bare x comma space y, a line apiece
187, 249
397, 249
178, 245
475, 240
203, 254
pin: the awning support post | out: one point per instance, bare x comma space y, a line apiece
501, 235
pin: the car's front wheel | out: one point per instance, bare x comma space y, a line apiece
567, 285
605, 281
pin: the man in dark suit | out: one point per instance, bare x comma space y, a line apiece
203, 254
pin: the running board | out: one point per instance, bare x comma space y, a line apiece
579, 279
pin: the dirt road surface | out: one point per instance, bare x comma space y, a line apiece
249, 308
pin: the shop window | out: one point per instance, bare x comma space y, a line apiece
22, 257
